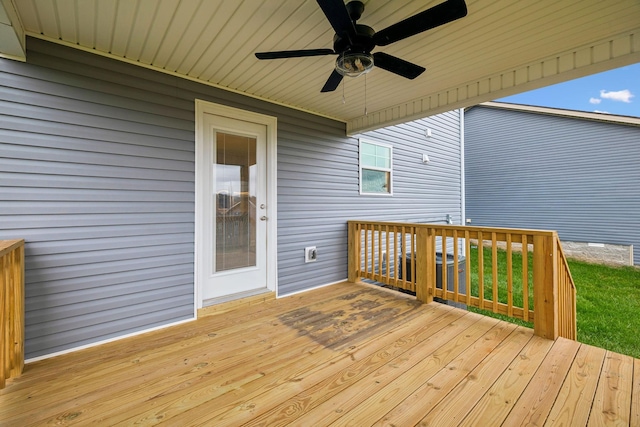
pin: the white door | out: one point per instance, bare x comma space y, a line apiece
233, 174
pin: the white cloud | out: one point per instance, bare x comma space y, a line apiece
595, 100
621, 95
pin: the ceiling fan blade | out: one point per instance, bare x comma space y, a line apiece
438, 15
338, 16
332, 82
293, 53
397, 65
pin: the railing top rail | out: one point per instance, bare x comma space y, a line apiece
7, 246
563, 257
532, 232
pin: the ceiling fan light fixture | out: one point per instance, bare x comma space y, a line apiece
354, 64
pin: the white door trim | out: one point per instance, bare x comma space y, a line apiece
202, 108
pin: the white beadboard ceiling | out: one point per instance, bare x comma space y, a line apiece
501, 47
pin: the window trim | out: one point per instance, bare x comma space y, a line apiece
361, 167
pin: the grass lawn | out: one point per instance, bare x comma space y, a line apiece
608, 299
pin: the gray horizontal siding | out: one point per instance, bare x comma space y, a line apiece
318, 191
101, 187
97, 174
575, 176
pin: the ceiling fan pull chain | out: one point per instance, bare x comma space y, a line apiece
365, 94
344, 100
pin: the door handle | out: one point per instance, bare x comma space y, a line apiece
263, 218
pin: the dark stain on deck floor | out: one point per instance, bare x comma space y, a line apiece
363, 313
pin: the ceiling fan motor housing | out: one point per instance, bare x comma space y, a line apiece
361, 43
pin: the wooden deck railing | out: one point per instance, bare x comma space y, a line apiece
535, 286
11, 309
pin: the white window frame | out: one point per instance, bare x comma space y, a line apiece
389, 169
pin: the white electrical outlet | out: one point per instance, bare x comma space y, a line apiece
310, 254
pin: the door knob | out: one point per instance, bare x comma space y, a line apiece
263, 218
262, 206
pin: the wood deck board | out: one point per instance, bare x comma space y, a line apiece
348, 354
573, 404
612, 403
534, 404
500, 398
411, 410
472, 388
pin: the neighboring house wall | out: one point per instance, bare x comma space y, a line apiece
97, 174
530, 170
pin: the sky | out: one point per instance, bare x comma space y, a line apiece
615, 92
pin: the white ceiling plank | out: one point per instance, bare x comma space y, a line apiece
181, 21
210, 40
229, 40
201, 22
123, 27
47, 15
142, 21
199, 42
156, 35
262, 18
86, 13
105, 25
68, 18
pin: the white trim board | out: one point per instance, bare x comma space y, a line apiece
107, 341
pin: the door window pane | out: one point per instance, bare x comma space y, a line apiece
235, 197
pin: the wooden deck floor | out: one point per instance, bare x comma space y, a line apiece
342, 355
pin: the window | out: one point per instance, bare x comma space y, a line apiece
375, 168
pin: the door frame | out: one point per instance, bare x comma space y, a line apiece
205, 107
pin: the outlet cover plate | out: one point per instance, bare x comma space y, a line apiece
310, 254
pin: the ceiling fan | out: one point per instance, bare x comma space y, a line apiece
354, 42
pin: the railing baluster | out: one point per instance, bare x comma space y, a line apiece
467, 243
401, 256
456, 278
444, 264
509, 277
412, 238
387, 252
481, 269
494, 270
525, 277
366, 250
379, 241
394, 256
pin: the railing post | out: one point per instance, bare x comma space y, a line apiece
18, 275
545, 287
353, 264
425, 264
11, 309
